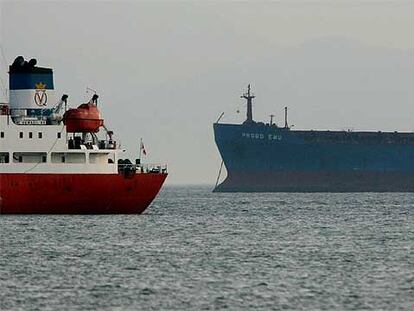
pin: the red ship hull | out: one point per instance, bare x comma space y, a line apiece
78, 193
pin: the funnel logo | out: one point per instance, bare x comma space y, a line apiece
40, 96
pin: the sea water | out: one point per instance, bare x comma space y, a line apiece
198, 250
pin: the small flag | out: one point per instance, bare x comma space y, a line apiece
143, 148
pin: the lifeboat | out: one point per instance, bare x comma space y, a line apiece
84, 119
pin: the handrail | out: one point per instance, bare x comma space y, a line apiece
143, 168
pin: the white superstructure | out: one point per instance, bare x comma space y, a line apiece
33, 136
45, 149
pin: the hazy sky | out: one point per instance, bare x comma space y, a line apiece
166, 70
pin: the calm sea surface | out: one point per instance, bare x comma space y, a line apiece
202, 251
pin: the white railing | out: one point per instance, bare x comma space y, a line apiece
142, 168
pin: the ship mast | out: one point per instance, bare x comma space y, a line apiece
286, 118
271, 119
249, 96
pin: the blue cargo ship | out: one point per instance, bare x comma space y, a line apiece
263, 157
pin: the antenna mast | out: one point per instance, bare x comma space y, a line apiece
249, 96
286, 118
271, 119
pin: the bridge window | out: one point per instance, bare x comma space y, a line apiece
29, 157
98, 158
1, 134
59, 135
111, 158
30, 135
4, 157
68, 157
21, 134
40, 135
